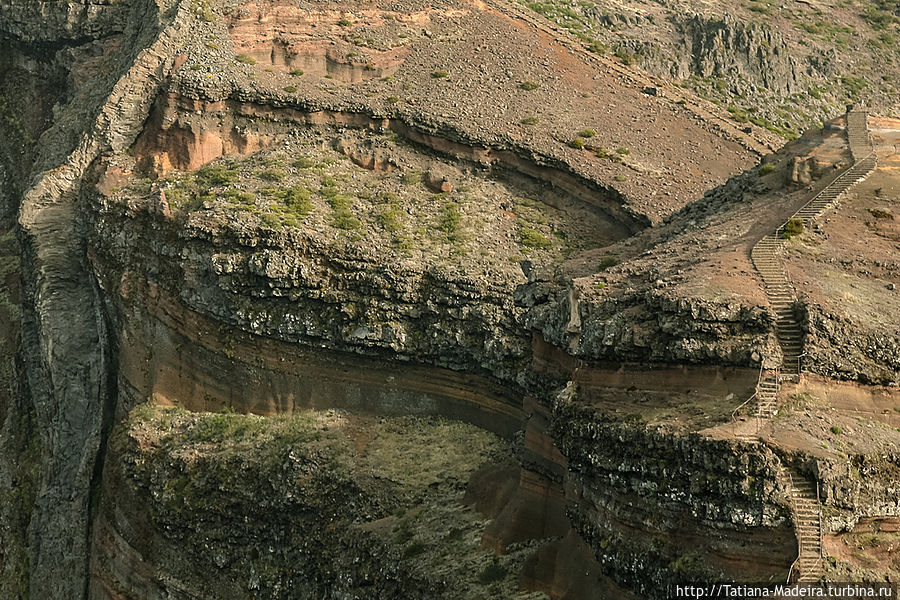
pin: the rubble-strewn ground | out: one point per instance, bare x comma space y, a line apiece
785, 66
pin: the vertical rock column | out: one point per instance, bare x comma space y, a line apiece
69, 368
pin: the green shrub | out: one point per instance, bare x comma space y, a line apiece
793, 227
836, 430
297, 72
623, 151
391, 220
492, 573
766, 168
450, 220
587, 133
196, 67
414, 549
245, 59
625, 57
297, 198
606, 262
304, 162
344, 23
216, 175
344, 219
620, 178
532, 238
339, 202
529, 85
439, 74
290, 89
272, 174
577, 143
598, 47
530, 121
392, 99
272, 220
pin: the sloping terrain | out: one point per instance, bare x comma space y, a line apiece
340, 300
784, 66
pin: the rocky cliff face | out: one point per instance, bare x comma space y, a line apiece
201, 226
627, 479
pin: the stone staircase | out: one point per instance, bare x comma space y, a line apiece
767, 253
767, 394
766, 256
808, 525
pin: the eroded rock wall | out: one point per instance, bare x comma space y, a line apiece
658, 509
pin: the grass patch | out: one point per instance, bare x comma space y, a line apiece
450, 222
290, 89
587, 133
439, 74
835, 429
391, 219
412, 177
530, 121
529, 85
297, 72
532, 238
577, 143
245, 58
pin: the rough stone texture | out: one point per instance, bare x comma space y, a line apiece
629, 478
64, 333
841, 349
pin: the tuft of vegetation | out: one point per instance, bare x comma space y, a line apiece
439, 74
793, 227
245, 58
620, 178
344, 219
853, 85
532, 238
587, 133
837, 430
271, 174
624, 56
623, 151
607, 262
296, 72
290, 89
577, 143
392, 99
529, 85
304, 162
391, 220
766, 168
344, 23
530, 121
450, 222
412, 177
492, 573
